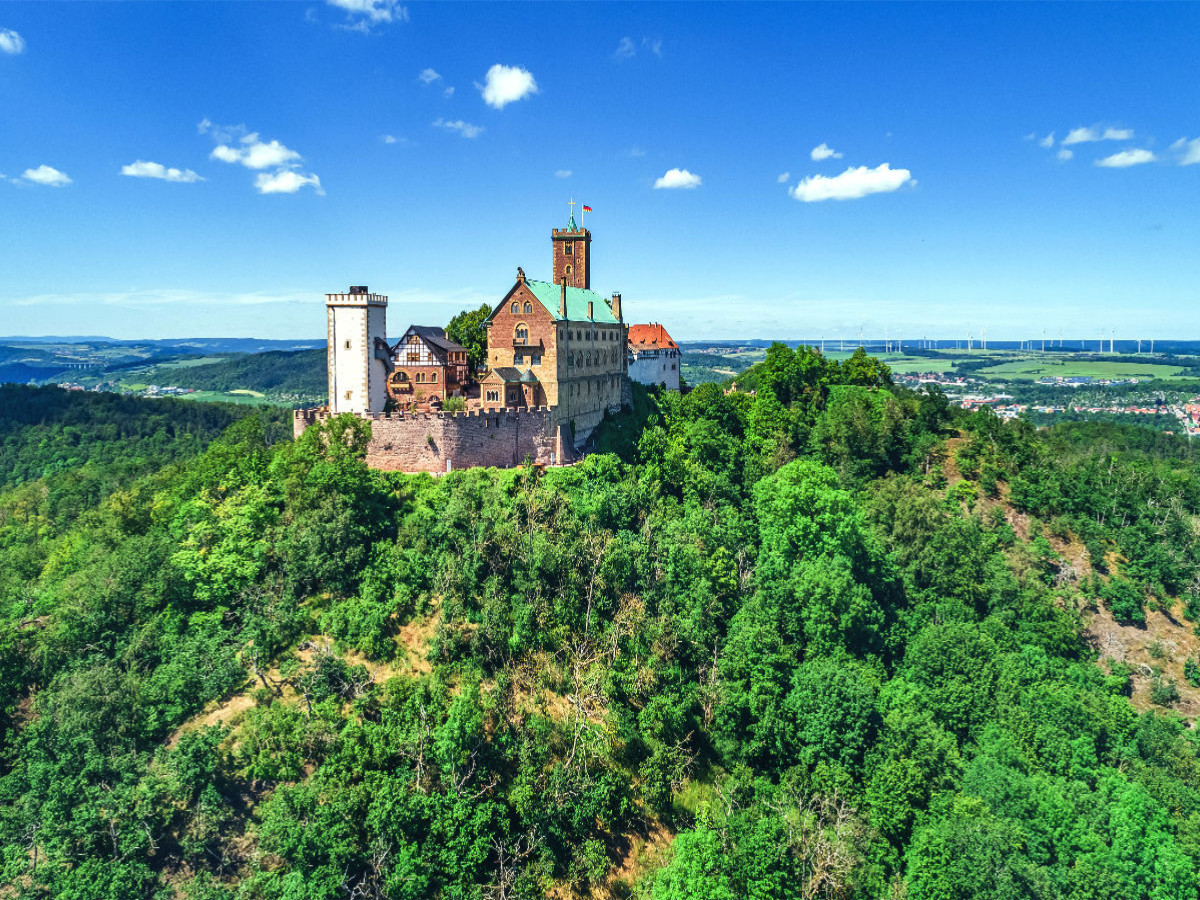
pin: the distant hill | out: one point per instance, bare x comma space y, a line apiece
300, 374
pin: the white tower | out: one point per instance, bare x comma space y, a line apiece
357, 351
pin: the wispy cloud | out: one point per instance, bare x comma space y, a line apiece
824, 151
1095, 133
783, 177
677, 178
628, 47
1127, 158
429, 76
164, 297
851, 184
563, 173
143, 169
507, 84
1047, 141
466, 129
1189, 150
1064, 154
286, 181
11, 42
636, 152
364, 15
47, 175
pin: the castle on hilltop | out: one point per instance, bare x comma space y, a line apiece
557, 362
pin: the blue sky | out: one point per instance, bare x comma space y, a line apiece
949, 167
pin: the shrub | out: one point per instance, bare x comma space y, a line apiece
1124, 599
1191, 671
1164, 693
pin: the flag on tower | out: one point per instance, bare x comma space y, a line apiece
587, 208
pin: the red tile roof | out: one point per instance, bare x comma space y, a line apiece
650, 337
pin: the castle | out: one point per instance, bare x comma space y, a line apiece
556, 364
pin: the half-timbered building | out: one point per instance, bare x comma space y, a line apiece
426, 367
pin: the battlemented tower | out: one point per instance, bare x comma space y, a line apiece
358, 352
572, 255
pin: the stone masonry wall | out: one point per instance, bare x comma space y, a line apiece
426, 442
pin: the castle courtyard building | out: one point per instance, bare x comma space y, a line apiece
653, 356
558, 343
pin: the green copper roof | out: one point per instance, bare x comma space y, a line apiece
571, 226
577, 301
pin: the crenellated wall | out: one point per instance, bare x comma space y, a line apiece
441, 441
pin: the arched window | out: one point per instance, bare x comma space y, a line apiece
433, 377
579, 360
528, 308
514, 308
521, 332
588, 360
568, 270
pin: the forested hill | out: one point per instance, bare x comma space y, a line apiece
831, 639
47, 430
299, 373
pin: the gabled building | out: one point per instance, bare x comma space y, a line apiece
558, 343
427, 366
653, 356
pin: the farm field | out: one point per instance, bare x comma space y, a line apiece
1031, 369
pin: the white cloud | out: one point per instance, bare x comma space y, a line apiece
824, 152
388, 138
851, 184
563, 173
466, 129
1127, 158
363, 15
236, 146
1047, 141
1064, 154
1088, 135
1189, 149
448, 92
255, 154
782, 179
143, 169
11, 42
286, 181
46, 175
429, 76
626, 49
678, 178
507, 84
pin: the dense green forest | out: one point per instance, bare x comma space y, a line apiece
826, 639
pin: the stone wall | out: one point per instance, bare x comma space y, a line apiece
439, 442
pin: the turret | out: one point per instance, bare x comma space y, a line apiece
357, 353
572, 254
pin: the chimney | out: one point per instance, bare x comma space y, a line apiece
562, 303
590, 316
616, 306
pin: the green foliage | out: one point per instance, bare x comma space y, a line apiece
766, 624
466, 329
1191, 671
1125, 600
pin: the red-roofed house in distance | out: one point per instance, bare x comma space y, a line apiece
653, 356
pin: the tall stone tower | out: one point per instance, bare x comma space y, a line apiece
572, 255
357, 351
